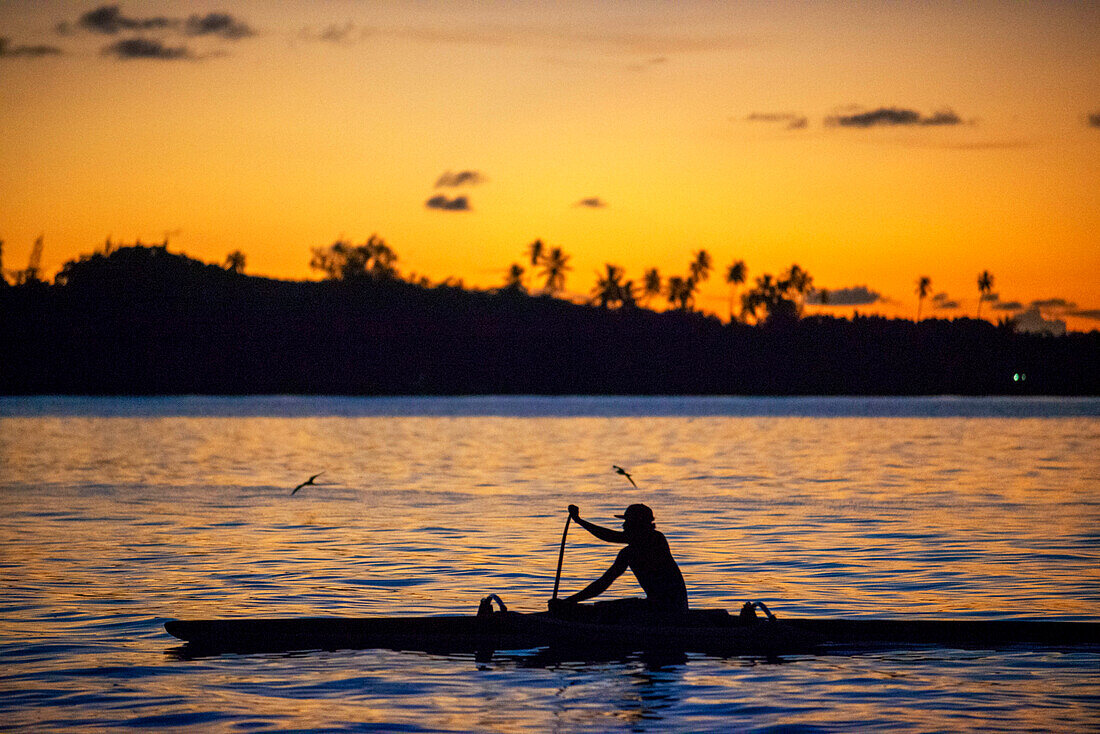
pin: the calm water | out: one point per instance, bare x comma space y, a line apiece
117, 514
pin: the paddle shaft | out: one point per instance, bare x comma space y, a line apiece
561, 556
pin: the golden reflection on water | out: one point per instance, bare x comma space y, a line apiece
854, 515
110, 525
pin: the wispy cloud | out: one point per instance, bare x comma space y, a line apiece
222, 25
8, 50
450, 179
592, 202
442, 203
859, 295
1054, 303
145, 48
1090, 313
789, 120
892, 117
337, 33
942, 301
1094, 119
110, 20
1008, 306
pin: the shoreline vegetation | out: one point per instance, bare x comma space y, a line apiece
139, 320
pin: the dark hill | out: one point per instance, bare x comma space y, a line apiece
146, 321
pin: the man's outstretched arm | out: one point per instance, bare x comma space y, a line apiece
605, 534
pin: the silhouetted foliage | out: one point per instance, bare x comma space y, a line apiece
344, 261
142, 320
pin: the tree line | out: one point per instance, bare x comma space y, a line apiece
138, 319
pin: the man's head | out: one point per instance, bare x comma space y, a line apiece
637, 517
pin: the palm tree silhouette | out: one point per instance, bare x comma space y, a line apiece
798, 282
535, 252
985, 285
555, 265
514, 279
735, 276
234, 262
680, 292
608, 291
651, 284
924, 287
700, 266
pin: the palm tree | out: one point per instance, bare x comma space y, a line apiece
700, 266
608, 291
735, 276
651, 284
924, 287
555, 265
535, 250
798, 282
513, 281
985, 285
680, 292
234, 262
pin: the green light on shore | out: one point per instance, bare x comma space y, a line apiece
1019, 377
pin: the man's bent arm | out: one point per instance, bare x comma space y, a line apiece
600, 585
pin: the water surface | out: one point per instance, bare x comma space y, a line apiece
116, 514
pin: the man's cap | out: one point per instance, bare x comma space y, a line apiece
637, 512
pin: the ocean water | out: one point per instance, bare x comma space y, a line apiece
117, 514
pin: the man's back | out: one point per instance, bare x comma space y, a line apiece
649, 557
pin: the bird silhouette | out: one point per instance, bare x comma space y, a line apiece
308, 481
620, 470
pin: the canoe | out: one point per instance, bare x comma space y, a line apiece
708, 632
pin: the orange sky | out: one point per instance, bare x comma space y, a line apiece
734, 127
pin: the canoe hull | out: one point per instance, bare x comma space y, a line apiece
514, 631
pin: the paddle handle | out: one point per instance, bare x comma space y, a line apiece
561, 556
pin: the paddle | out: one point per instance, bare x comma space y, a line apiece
561, 556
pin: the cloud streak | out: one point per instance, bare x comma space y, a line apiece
8, 50
894, 117
462, 178
592, 202
790, 120
109, 20
859, 295
1094, 119
145, 48
442, 203
942, 301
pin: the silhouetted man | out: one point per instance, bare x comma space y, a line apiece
646, 554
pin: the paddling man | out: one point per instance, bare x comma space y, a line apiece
646, 554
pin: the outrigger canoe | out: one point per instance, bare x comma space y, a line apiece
704, 631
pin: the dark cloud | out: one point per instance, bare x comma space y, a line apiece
10, 51
859, 295
592, 202
218, 24
790, 120
457, 204
894, 116
462, 178
108, 19
1094, 119
1053, 303
943, 301
1008, 306
1092, 313
145, 48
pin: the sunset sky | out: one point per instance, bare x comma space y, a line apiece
871, 143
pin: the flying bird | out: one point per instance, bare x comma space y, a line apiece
308, 481
620, 470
